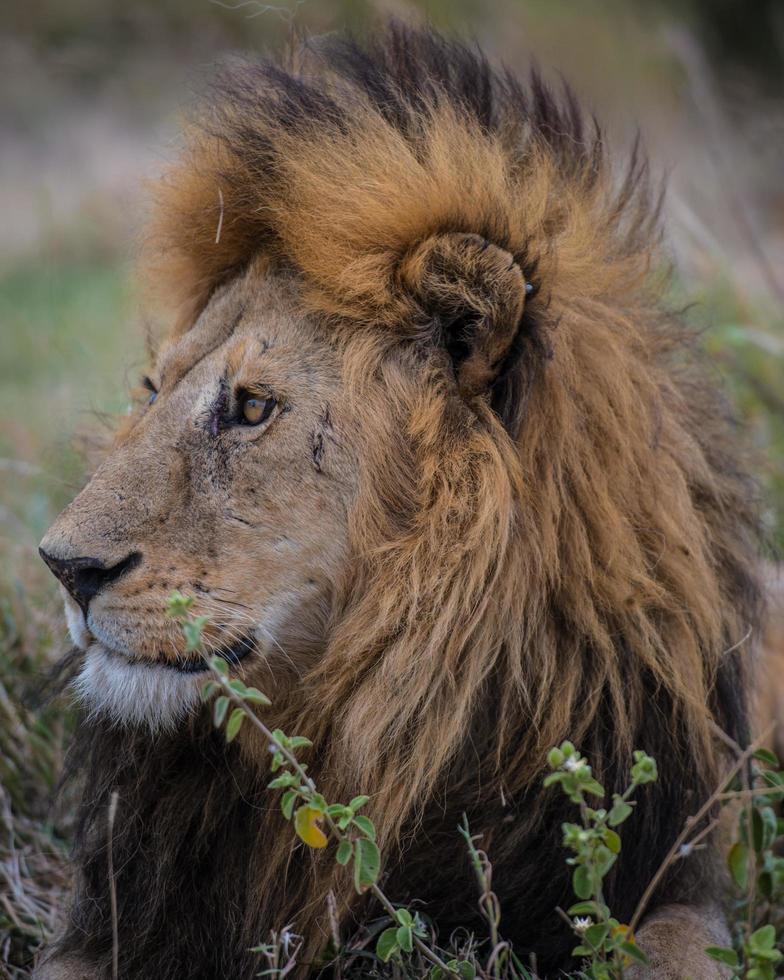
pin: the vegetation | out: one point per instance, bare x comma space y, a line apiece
404, 944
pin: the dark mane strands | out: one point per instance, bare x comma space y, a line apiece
608, 533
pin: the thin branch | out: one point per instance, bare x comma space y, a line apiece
220, 217
704, 810
113, 885
235, 698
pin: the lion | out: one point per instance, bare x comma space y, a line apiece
426, 445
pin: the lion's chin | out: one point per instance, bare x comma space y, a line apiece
134, 693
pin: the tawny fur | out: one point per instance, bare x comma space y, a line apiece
547, 528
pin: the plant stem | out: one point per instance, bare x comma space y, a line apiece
338, 835
706, 807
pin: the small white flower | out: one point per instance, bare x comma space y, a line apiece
573, 763
581, 924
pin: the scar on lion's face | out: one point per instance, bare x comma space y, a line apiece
232, 485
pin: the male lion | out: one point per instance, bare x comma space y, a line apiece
426, 446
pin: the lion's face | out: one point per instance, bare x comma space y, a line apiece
231, 484
280, 461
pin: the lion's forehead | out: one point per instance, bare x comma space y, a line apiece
255, 323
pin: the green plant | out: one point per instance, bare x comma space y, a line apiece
315, 820
605, 944
757, 870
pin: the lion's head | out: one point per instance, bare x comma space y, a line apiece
232, 482
426, 447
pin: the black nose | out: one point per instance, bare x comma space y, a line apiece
85, 577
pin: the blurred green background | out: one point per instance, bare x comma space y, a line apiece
91, 97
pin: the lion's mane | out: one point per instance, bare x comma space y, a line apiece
578, 561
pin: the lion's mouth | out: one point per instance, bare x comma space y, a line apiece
233, 654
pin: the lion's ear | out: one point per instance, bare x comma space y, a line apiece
475, 293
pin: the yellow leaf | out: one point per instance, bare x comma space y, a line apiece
306, 824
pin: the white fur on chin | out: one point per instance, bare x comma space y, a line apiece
135, 694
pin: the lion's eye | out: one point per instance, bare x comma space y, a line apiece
254, 411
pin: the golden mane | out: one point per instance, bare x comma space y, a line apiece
573, 555
610, 504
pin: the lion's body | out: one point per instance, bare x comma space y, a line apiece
468, 550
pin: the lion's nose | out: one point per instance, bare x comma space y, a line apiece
85, 577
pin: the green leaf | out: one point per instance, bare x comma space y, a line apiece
404, 917
769, 826
209, 688
603, 859
633, 950
365, 824
723, 954
581, 882
237, 686
555, 758
644, 769
178, 604
254, 695
287, 802
318, 802
235, 724
192, 633
344, 852
588, 908
763, 938
405, 938
336, 810
592, 786
757, 830
580, 951
738, 862
285, 779
387, 945
367, 863
219, 712
463, 969
596, 934
619, 812
765, 755
613, 841
358, 802
759, 973
220, 666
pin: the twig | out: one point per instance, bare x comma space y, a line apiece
261, 8
748, 796
112, 885
220, 217
674, 851
423, 948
